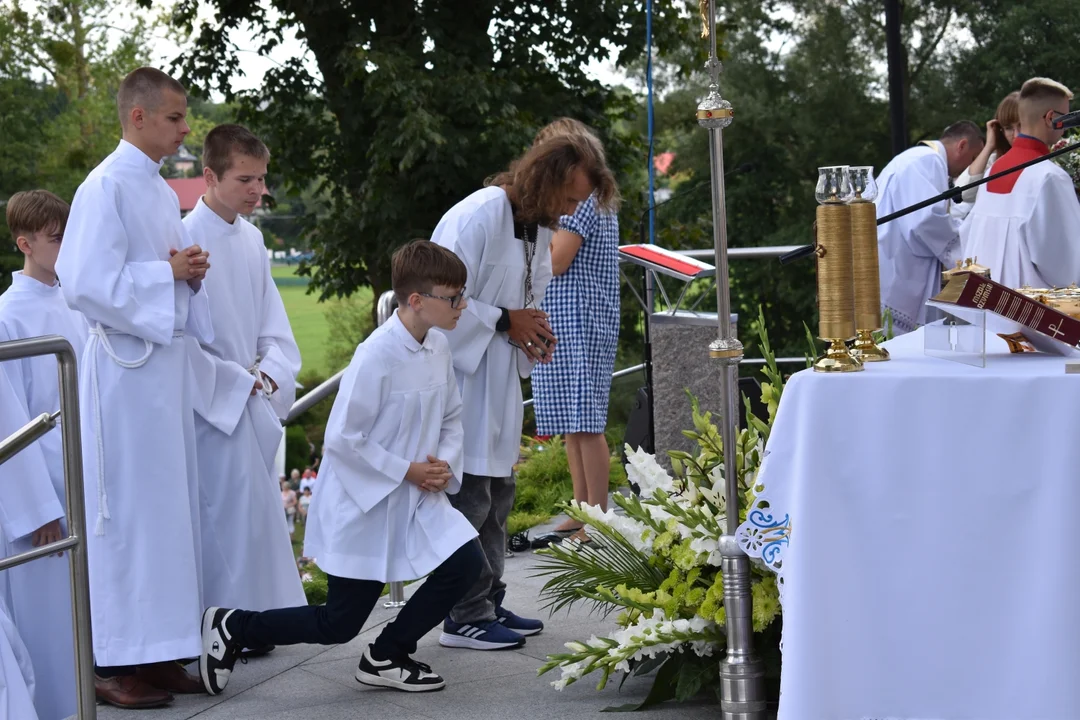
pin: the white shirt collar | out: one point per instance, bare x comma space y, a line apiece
205, 213
133, 155
25, 283
410, 342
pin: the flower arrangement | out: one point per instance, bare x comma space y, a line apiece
657, 563
1069, 162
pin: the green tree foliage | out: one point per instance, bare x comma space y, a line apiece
61, 62
416, 103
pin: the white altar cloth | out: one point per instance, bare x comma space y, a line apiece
927, 573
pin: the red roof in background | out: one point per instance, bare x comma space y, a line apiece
189, 190
662, 162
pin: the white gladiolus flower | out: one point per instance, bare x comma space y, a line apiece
636, 533
717, 477
596, 643
643, 470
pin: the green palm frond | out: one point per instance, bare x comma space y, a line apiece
577, 570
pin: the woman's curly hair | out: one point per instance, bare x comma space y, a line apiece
536, 181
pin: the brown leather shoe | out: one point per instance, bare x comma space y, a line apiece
170, 676
128, 691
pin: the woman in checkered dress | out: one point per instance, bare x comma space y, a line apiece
582, 302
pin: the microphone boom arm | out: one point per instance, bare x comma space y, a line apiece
808, 250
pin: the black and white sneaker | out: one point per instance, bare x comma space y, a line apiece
402, 674
219, 650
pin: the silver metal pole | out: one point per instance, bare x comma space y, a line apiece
75, 507
397, 595
38, 552
742, 675
71, 437
27, 434
314, 397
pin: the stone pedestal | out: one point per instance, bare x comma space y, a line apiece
680, 355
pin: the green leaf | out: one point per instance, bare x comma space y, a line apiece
663, 689
693, 677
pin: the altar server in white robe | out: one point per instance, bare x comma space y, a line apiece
503, 234
913, 248
17, 680
128, 265
38, 593
246, 386
393, 452
1025, 225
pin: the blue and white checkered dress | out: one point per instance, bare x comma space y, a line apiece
571, 392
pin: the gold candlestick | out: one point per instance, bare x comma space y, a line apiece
836, 293
866, 274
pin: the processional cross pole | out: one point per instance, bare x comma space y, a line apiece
742, 674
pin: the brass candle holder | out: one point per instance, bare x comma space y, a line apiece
865, 271
836, 295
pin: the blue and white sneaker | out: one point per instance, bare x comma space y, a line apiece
522, 626
491, 635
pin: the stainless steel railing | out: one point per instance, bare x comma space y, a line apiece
744, 253
75, 510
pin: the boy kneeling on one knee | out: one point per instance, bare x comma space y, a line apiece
393, 452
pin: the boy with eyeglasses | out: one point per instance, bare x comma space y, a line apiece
393, 452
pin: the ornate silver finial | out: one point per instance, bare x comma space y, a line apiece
714, 111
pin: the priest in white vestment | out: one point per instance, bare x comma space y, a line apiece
17, 689
503, 233
913, 248
38, 594
128, 265
246, 379
1025, 226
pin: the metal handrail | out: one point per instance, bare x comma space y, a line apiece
75, 509
745, 253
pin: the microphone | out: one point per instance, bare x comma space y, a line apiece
1069, 120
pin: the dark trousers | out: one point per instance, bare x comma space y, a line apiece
485, 502
111, 671
349, 603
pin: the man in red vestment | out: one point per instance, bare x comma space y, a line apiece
1023, 225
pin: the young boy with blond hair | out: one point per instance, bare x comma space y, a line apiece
38, 594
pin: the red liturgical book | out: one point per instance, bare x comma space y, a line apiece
968, 290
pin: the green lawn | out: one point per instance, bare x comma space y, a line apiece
306, 315
311, 323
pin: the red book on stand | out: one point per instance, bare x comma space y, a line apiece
968, 290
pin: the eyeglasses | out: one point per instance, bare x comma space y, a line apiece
454, 301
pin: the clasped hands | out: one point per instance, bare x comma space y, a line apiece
260, 383
531, 331
433, 475
190, 264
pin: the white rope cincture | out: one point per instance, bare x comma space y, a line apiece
258, 374
100, 335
